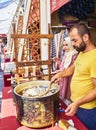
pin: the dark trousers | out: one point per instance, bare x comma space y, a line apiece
88, 117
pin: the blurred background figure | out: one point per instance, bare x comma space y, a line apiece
1, 68
1, 54
68, 59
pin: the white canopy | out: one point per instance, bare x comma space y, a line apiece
7, 11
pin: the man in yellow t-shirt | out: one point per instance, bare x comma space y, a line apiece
83, 83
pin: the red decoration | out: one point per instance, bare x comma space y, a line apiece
2, 35
56, 4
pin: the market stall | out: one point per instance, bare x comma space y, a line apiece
30, 47
8, 115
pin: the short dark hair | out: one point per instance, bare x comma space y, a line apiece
82, 29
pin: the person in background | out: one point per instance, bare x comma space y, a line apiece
2, 53
83, 82
68, 58
1, 69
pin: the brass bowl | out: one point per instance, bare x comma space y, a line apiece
37, 112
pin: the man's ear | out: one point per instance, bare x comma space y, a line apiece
85, 37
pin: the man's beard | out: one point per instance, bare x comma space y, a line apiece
82, 47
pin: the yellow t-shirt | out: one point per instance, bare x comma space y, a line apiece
81, 83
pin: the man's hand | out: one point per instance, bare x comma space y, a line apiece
72, 108
55, 78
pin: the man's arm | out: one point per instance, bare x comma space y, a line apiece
65, 73
72, 108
